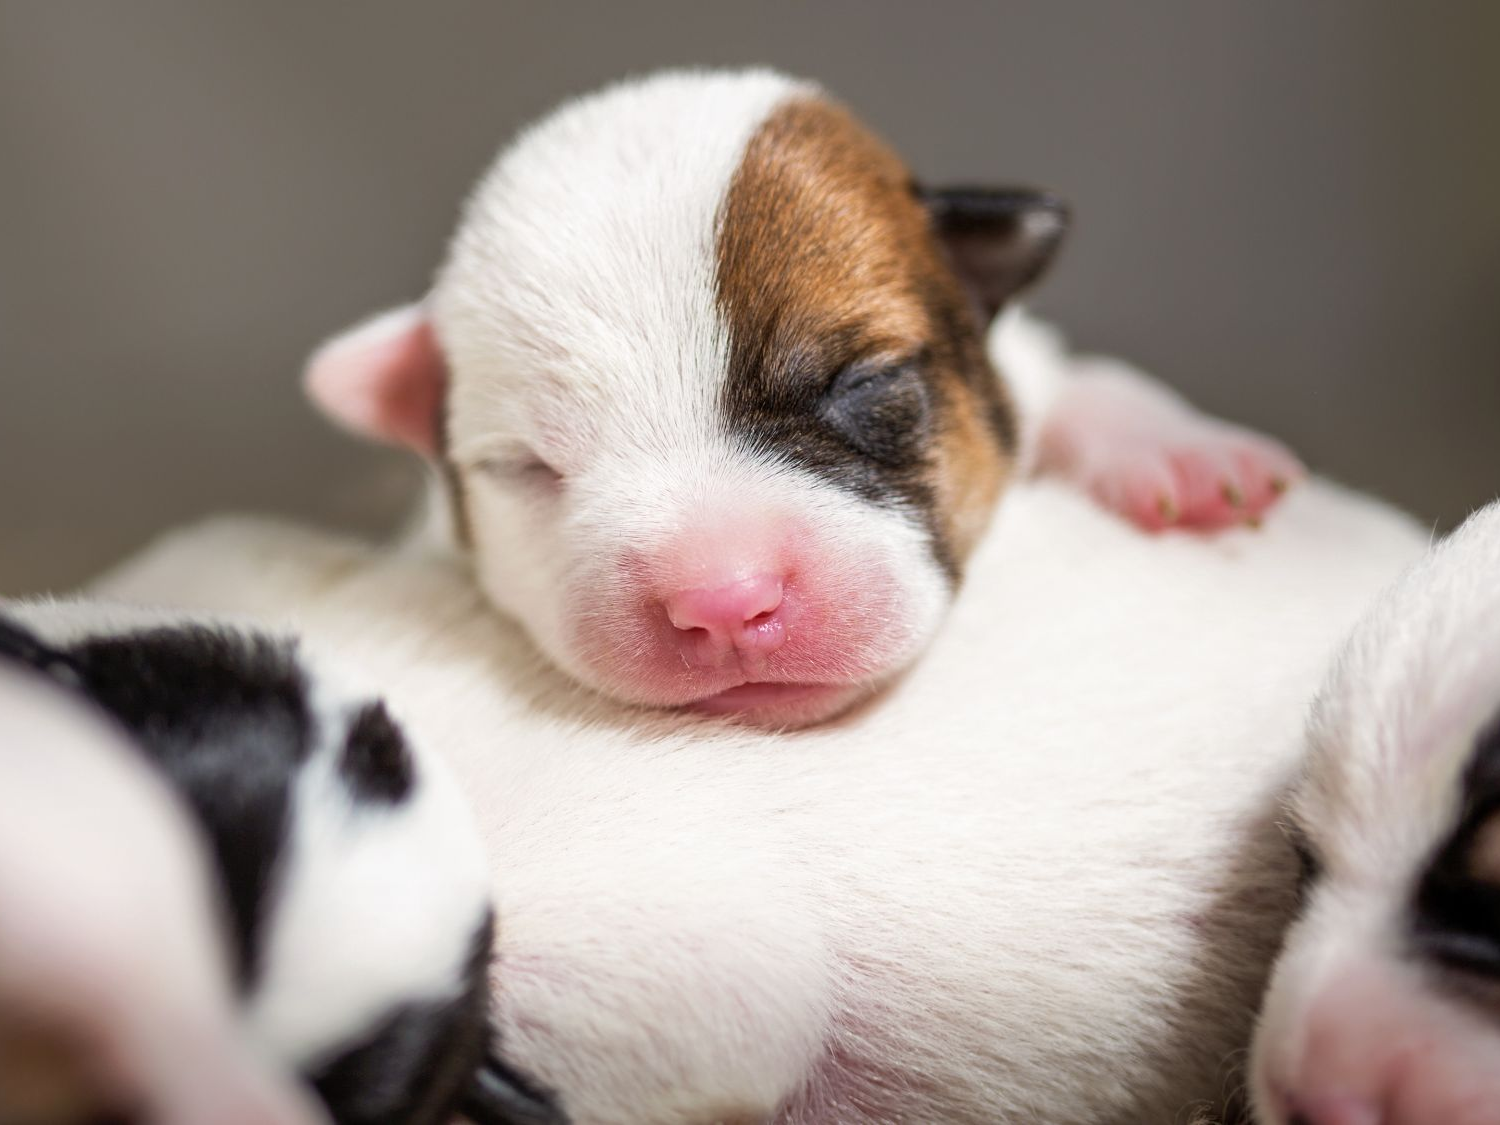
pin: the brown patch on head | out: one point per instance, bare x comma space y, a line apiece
853, 348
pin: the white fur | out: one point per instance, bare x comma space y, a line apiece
1352, 1012
377, 908
578, 312
587, 357
1039, 882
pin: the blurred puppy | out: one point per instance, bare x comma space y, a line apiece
705, 382
1383, 1007
219, 866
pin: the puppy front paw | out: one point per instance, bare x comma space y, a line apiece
1147, 455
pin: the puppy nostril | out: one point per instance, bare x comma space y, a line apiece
725, 610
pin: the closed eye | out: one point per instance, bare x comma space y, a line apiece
874, 373
1457, 916
857, 380
880, 410
1309, 865
523, 468
1465, 952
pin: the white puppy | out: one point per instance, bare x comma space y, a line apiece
705, 383
1041, 883
1383, 1007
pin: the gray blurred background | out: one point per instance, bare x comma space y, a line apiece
1289, 210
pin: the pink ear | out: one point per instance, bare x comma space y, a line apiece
384, 379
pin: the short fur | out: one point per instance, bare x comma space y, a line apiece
981, 901
700, 340
1383, 1001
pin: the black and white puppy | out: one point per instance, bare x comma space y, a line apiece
1385, 1005
350, 889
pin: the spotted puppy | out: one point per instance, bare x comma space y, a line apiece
705, 381
1383, 1007
323, 909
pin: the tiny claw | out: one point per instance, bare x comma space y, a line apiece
1232, 495
1254, 523
1279, 485
1167, 507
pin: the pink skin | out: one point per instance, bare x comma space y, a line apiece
750, 621
1378, 1045
1142, 452
744, 618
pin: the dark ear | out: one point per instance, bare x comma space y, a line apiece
24, 647
497, 1095
999, 240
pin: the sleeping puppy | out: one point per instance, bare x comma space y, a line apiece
1383, 1007
705, 381
114, 990
320, 908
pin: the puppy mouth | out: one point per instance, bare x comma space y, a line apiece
762, 697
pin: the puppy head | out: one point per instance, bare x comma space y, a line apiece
1385, 1004
354, 889
704, 375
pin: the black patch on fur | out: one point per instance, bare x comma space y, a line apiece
880, 412
27, 649
858, 427
225, 717
420, 1064
376, 763
862, 429
1457, 916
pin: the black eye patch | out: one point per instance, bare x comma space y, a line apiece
864, 428
881, 412
1457, 908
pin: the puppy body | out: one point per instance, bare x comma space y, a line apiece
1038, 883
1383, 1004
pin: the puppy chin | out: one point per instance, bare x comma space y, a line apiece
778, 706
775, 696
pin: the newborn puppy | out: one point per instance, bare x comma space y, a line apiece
114, 989
350, 922
1383, 1007
705, 381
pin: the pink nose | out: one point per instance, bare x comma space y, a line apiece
743, 617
